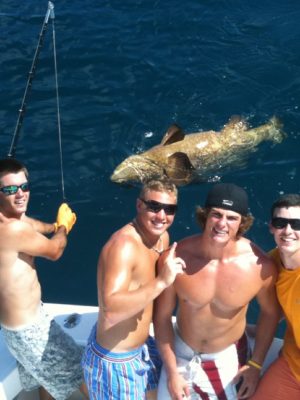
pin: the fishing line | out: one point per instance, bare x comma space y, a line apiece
58, 111
22, 110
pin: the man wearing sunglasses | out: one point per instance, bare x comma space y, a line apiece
282, 379
206, 354
46, 356
120, 360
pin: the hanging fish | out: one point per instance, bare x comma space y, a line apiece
199, 156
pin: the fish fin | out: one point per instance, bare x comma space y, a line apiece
179, 168
236, 123
173, 134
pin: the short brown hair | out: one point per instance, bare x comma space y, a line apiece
12, 166
159, 185
246, 221
286, 201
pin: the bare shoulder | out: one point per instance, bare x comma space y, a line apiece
122, 245
118, 260
262, 259
13, 234
188, 245
125, 236
12, 227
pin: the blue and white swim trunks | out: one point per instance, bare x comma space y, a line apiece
116, 376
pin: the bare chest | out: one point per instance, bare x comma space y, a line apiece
219, 287
15, 269
144, 269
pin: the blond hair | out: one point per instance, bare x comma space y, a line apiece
159, 185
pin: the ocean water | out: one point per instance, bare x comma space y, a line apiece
126, 71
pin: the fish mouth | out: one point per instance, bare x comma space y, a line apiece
134, 169
124, 174
116, 178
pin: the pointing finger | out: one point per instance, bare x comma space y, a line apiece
172, 250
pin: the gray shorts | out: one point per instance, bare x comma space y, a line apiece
46, 356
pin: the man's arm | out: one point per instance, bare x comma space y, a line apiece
164, 307
65, 217
118, 301
268, 319
23, 238
40, 226
269, 316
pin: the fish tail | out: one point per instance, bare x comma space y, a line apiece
276, 133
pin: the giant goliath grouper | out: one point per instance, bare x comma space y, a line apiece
184, 158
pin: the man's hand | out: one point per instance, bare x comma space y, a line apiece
170, 265
65, 217
178, 387
249, 377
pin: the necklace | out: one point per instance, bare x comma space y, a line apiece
159, 243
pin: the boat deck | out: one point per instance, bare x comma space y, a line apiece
82, 319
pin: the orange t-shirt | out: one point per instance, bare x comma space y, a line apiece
288, 293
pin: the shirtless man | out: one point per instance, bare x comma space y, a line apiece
282, 379
120, 361
205, 352
46, 356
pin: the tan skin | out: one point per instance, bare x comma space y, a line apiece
288, 243
127, 283
287, 239
21, 239
230, 272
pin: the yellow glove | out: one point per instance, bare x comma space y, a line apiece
65, 217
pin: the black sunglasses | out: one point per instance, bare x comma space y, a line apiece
155, 206
280, 223
12, 189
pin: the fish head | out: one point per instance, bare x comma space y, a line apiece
136, 168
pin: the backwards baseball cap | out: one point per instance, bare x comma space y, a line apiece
228, 196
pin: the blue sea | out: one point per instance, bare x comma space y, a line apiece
126, 71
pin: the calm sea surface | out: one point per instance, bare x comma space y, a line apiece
126, 71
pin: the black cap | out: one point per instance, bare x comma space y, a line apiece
228, 196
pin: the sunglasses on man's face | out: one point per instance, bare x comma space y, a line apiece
155, 206
280, 223
12, 189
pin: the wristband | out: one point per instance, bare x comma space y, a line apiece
254, 364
